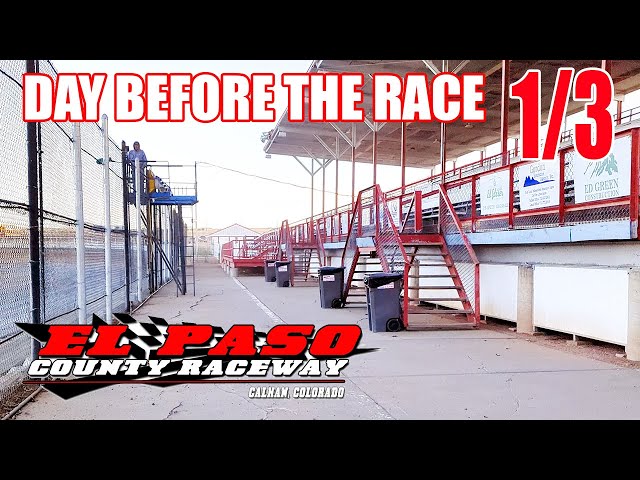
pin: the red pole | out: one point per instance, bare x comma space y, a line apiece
337, 182
635, 178
443, 151
374, 152
619, 113
477, 294
418, 210
403, 152
353, 168
324, 168
561, 187
511, 195
473, 203
504, 130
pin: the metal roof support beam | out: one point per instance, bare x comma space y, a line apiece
324, 144
460, 66
341, 133
303, 165
312, 172
431, 66
374, 126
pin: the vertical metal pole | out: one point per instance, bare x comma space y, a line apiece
443, 151
154, 212
403, 153
183, 259
107, 221
473, 203
443, 138
375, 152
618, 112
34, 234
138, 184
127, 239
511, 197
80, 262
324, 169
313, 164
504, 128
353, 165
43, 279
337, 162
194, 227
634, 189
159, 243
561, 187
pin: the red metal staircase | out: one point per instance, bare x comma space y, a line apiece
440, 270
300, 244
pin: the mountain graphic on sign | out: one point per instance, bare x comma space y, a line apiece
608, 164
528, 181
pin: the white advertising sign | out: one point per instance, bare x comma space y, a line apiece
606, 178
539, 184
494, 193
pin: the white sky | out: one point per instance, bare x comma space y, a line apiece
226, 197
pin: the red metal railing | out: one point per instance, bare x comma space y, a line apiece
462, 188
461, 252
248, 252
372, 218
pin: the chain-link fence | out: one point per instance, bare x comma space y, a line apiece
56, 233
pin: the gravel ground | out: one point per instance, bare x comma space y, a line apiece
605, 352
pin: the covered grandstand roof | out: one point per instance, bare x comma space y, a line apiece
423, 139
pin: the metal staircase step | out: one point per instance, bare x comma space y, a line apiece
442, 311
433, 276
441, 299
437, 287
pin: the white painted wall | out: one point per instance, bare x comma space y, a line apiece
588, 302
499, 291
580, 298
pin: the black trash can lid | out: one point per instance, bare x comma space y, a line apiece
270, 261
375, 280
329, 270
283, 262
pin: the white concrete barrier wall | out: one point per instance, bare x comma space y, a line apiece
499, 291
588, 302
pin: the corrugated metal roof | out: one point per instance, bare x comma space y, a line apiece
235, 230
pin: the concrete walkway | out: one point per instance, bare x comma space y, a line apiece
479, 374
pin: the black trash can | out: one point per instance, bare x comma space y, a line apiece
383, 301
269, 270
283, 273
331, 286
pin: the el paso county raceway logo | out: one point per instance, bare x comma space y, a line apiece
76, 359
